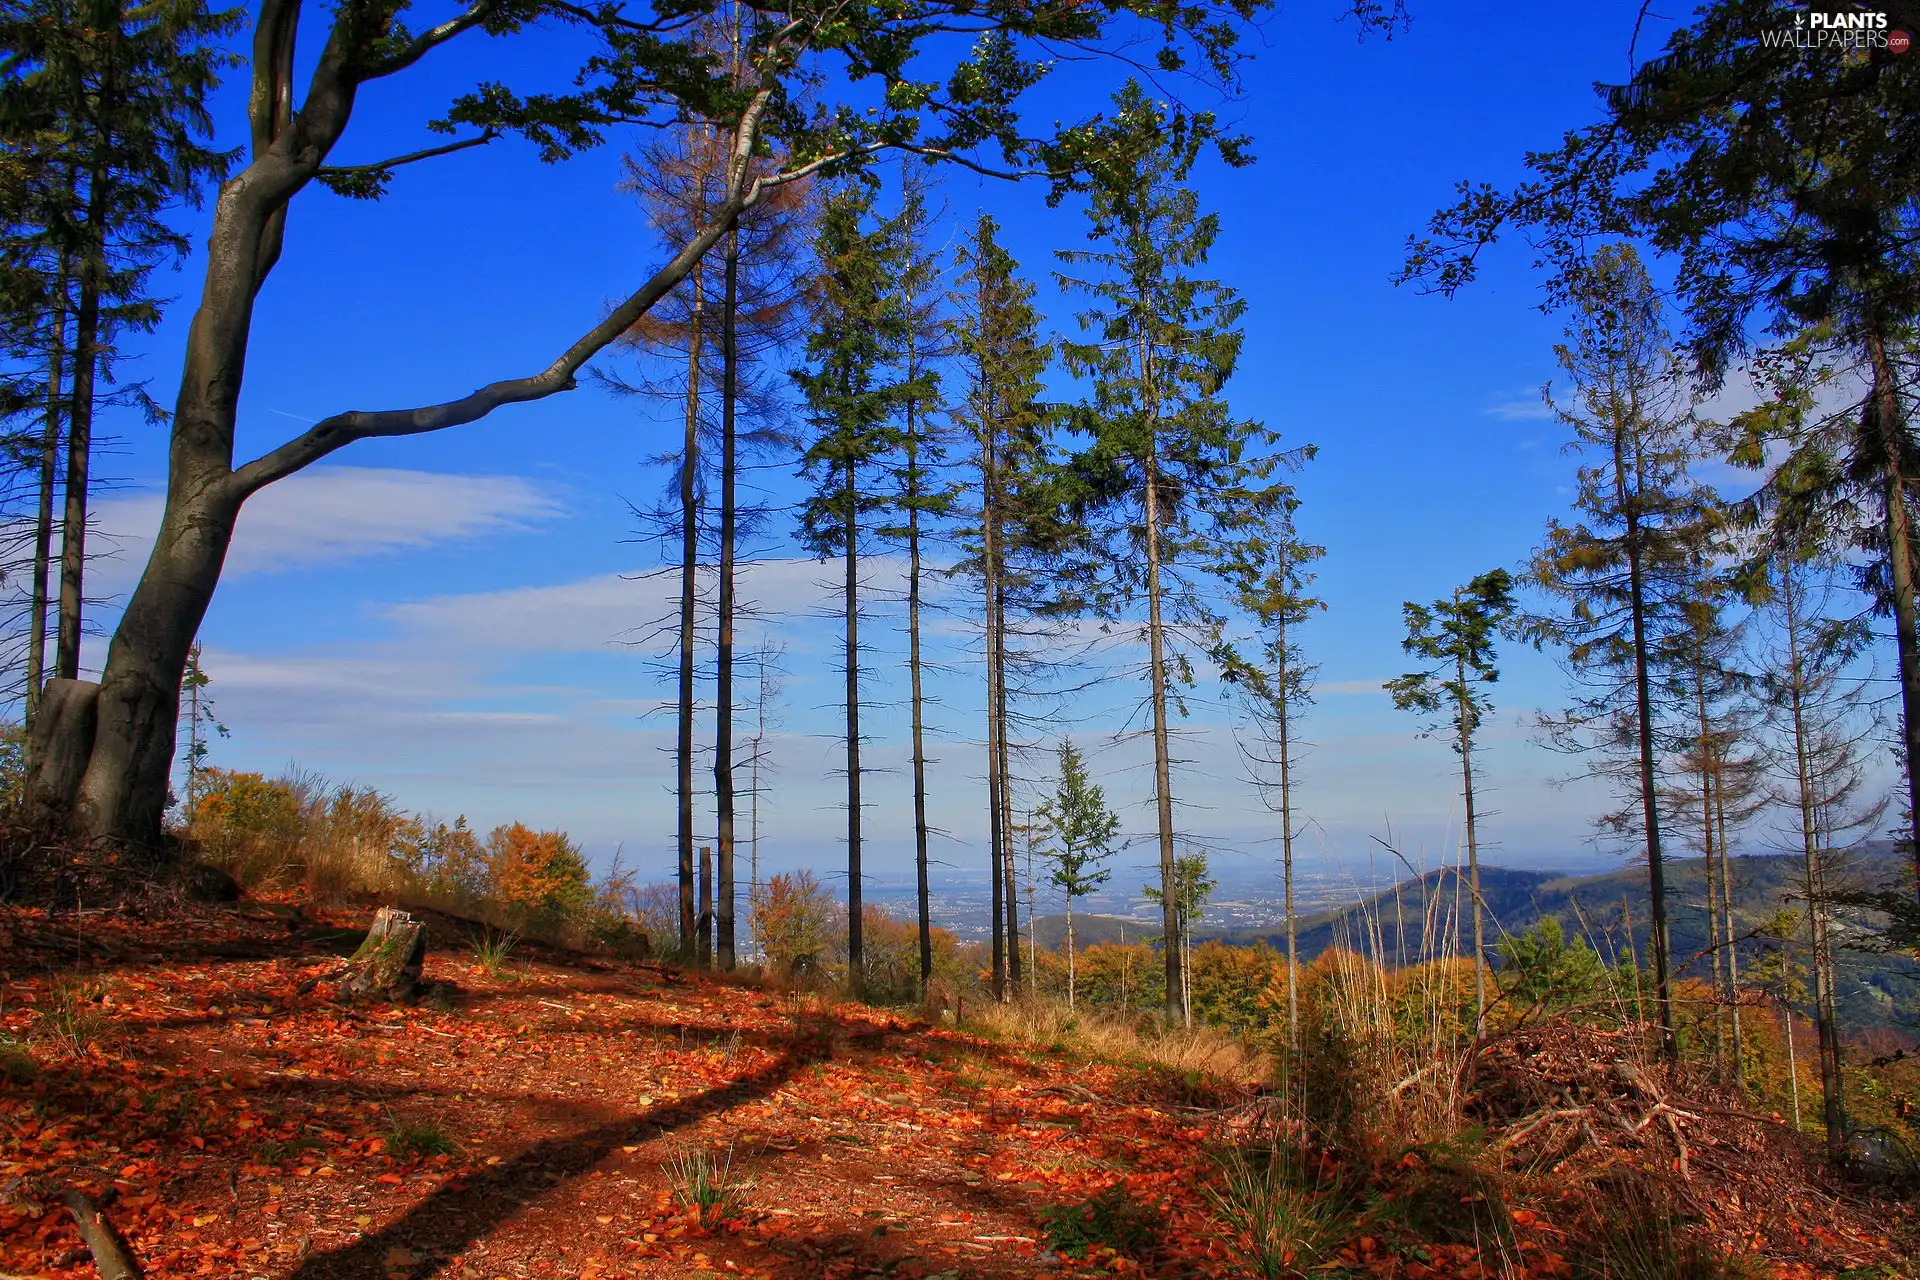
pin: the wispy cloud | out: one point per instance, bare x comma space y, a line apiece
1520, 407
333, 515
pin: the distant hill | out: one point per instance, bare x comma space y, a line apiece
1090, 929
1393, 923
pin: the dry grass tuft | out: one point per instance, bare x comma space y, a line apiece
1206, 1051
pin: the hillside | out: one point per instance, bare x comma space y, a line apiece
1873, 988
198, 1076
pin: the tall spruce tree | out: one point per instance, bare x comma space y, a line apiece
1014, 511
920, 493
1457, 635
1621, 569
855, 321
1180, 479
1271, 581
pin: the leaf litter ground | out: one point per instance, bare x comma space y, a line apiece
196, 1073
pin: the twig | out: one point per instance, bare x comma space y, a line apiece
110, 1257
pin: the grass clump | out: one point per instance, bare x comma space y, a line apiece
492, 949
1279, 1218
710, 1189
417, 1141
1111, 1220
70, 1020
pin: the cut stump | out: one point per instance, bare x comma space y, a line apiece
388, 964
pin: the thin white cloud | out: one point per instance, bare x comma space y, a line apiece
1351, 687
332, 515
1520, 407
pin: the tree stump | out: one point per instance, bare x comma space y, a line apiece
387, 966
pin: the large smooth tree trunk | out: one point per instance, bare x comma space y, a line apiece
123, 763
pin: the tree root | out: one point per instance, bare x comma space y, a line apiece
110, 1256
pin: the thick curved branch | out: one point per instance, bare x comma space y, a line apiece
341, 429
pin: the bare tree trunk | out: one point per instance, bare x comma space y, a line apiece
1286, 857
729, 533
1071, 973
1793, 1060
856, 953
1162, 748
990, 551
1726, 911
922, 896
1465, 711
703, 949
1906, 625
86, 365
1657, 936
992, 514
43, 517
1007, 868
1705, 748
1830, 1081
689, 570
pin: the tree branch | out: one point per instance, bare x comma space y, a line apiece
348, 171
341, 429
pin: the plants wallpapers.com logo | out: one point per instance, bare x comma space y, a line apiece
1860, 31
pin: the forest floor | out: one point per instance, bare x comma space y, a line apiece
235, 1118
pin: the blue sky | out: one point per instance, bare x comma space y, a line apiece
447, 617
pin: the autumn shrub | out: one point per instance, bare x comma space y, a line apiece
892, 958
247, 825
797, 923
1113, 1219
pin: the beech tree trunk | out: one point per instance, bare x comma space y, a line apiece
123, 764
